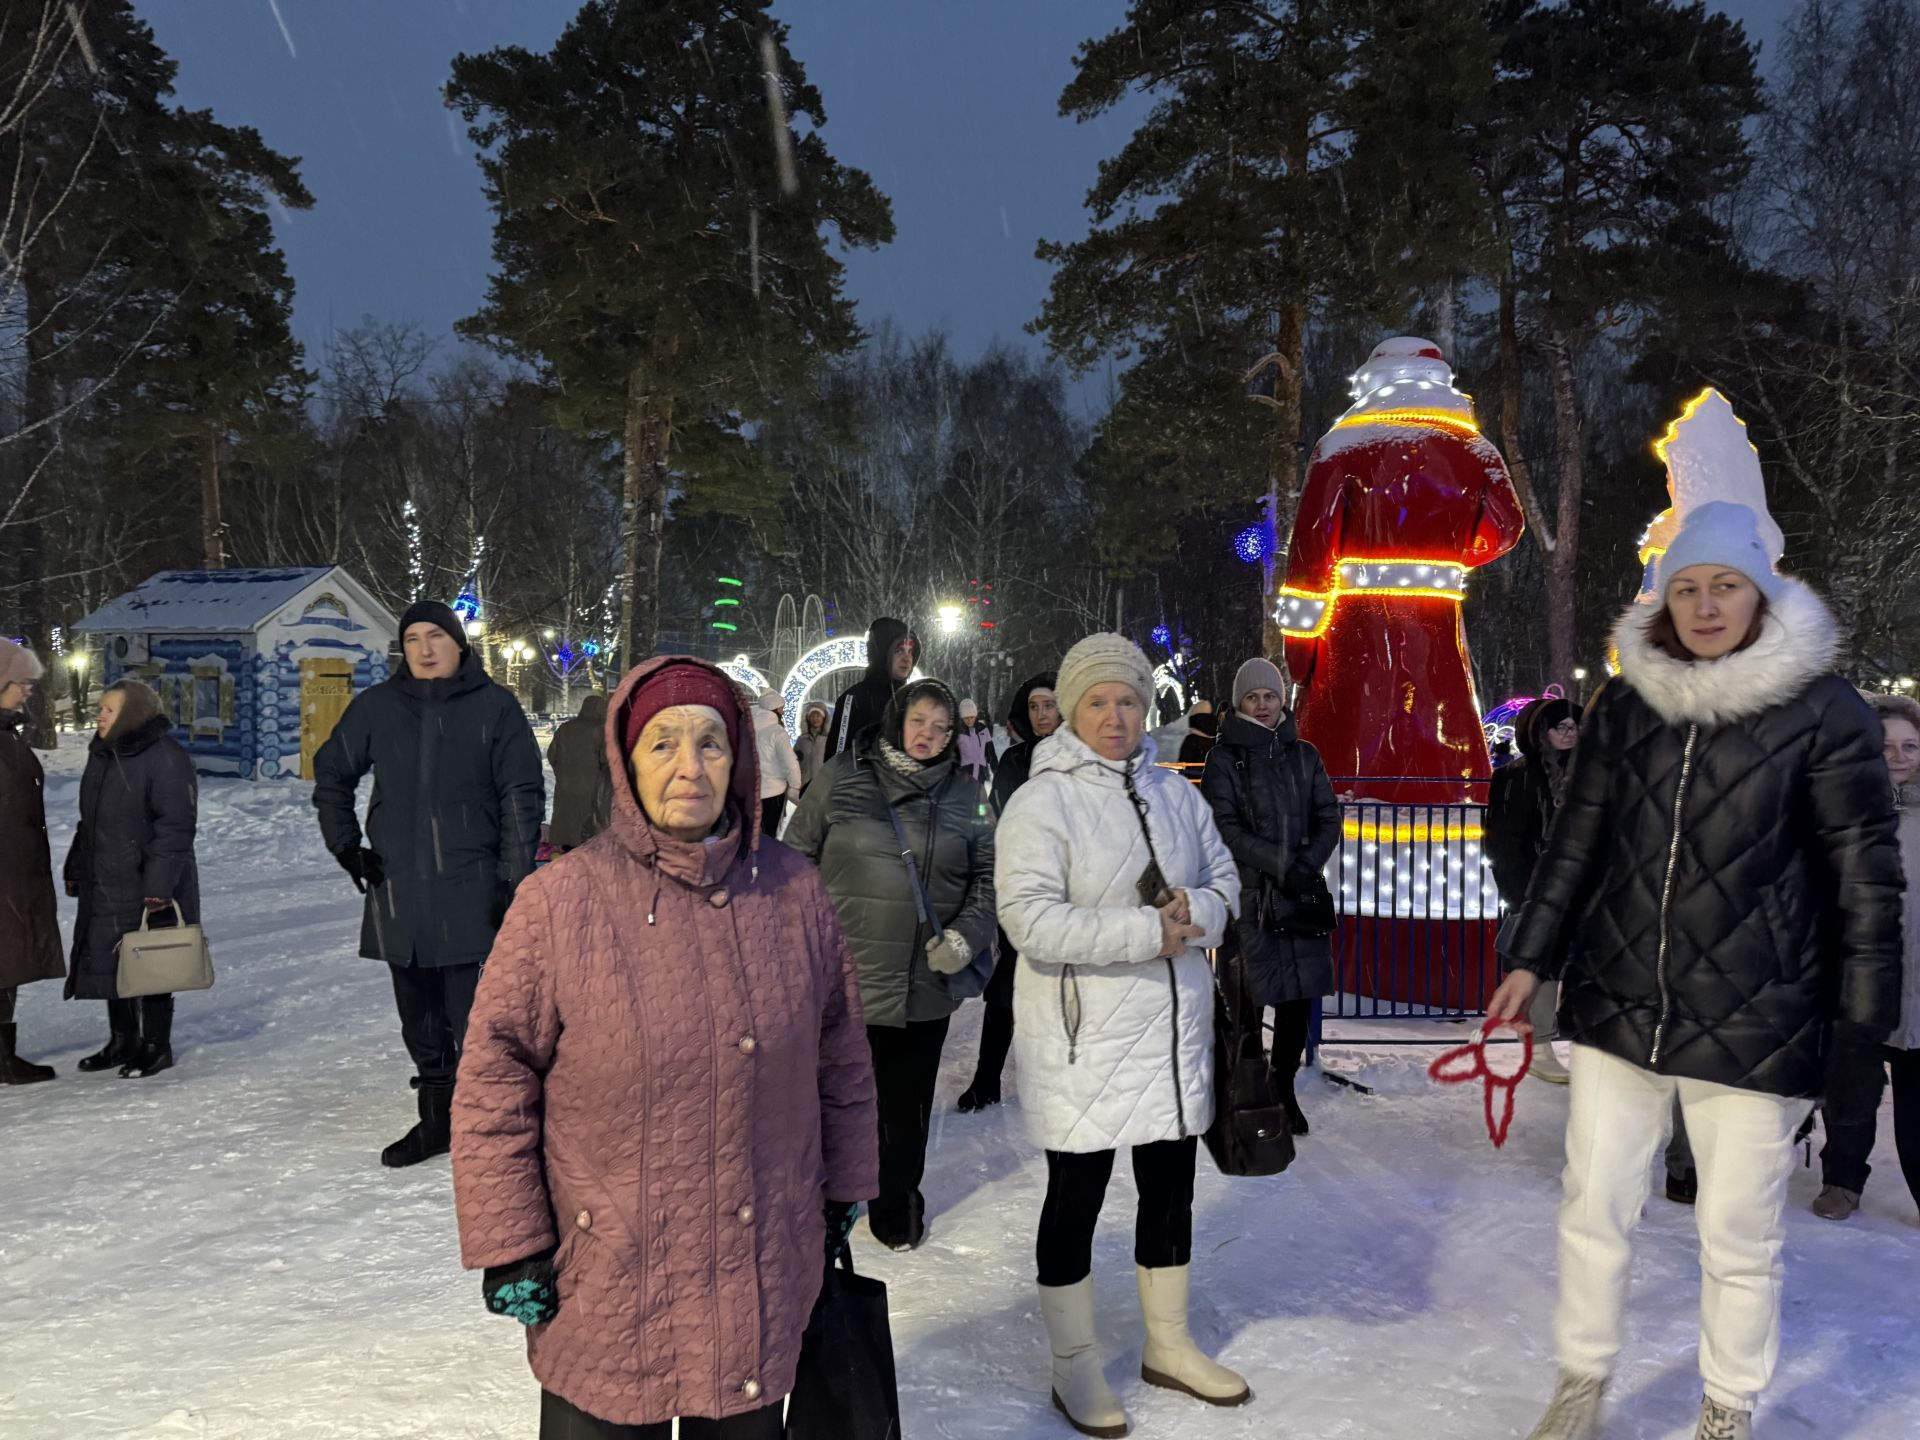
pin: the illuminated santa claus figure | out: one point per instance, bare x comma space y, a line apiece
1403, 497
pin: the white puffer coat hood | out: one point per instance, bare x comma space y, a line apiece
1115, 1044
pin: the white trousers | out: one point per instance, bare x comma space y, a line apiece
1743, 1151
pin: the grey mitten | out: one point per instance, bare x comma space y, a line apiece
949, 954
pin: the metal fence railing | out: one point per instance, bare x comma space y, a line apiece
1418, 908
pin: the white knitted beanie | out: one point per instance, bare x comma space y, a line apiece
1098, 660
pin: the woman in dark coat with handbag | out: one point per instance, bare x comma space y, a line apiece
913, 975
132, 857
29, 914
1276, 810
1720, 900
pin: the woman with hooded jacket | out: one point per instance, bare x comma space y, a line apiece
1033, 715
131, 857
1720, 900
664, 1118
1278, 816
901, 789
1113, 883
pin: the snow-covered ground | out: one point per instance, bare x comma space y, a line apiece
217, 1252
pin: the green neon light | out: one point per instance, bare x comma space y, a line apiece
729, 580
726, 602
722, 625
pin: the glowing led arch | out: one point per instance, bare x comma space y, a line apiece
741, 672
847, 653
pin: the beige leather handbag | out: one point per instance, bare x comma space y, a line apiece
159, 962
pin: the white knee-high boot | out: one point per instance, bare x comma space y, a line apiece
1080, 1389
1171, 1359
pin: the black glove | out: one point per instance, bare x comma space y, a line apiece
839, 1216
364, 866
502, 898
524, 1290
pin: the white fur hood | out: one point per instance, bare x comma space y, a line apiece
1797, 644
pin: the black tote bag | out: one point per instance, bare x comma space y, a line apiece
845, 1387
1250, 1134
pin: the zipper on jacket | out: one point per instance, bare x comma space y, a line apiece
1666, 899
1179, 1098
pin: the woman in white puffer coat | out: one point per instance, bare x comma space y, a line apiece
1112, 883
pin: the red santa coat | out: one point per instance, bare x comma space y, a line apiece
1398, 506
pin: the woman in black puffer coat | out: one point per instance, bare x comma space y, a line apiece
1719, 894
1277, 813
131, 856
907, 969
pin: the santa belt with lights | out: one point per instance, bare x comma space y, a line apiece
1307, 613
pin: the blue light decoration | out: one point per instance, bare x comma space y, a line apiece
1254, 544
467, 606
1162, 635
589, 648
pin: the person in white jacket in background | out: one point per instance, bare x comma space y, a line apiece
779, 766
1112, 884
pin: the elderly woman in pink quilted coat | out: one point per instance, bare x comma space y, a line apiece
665, 1110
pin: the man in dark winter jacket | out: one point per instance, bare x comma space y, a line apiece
457, 799
1033, 715
892, 652
582, 782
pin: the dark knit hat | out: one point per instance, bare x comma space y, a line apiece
432, 612
1552, 711
686, 683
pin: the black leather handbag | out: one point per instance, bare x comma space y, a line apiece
1250, 1134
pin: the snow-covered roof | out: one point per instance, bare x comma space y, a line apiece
213, 602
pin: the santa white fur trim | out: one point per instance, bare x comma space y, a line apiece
1798, 642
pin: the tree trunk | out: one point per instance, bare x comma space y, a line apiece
213, 544
26, 564
1512, 392
649, 428
1570, 448
1283, 453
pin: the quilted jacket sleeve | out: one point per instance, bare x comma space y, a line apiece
173, 802
1858, 833
1323, 811
1575, 844
1223, 788
849, 1134
1032, 861
521, 785
807, 830
976, 920
1215, 896
499, 1182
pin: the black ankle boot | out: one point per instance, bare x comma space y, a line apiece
13, 1069
119, 1049
151, 1058
1296, 1117
432, 1136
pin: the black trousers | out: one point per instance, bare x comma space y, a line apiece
770, 812
561, 1421
1076, 1187
8, 993
906, 1067
434, 1002
1292, 1023
149, 1016
1855, 1080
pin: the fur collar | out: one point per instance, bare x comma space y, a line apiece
1797, 644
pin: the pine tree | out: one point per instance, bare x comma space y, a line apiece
1300, 158
1614, 138
660, 243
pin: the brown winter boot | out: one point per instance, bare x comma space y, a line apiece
14, 1070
